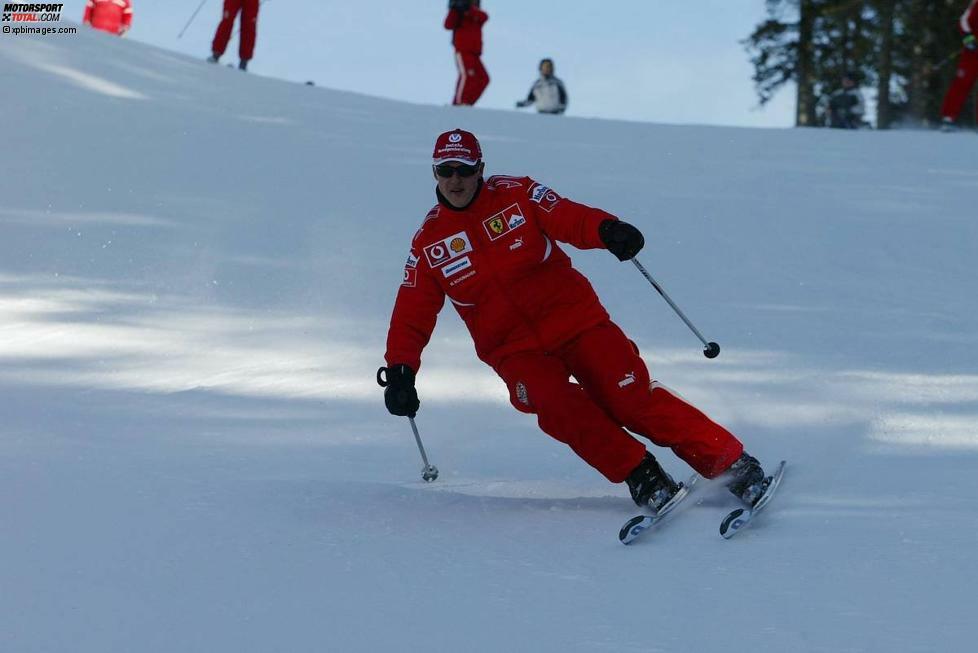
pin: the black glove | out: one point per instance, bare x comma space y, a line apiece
622, 239
400, 395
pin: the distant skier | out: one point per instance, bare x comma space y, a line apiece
465, 18
112, 16
491, 248
548, 92
967, 72
845, 108
249, 30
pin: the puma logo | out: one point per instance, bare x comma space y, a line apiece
628, 380
516, 244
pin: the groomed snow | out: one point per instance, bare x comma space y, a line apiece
197, 268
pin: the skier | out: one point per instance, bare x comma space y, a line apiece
112, 16
249, 29
845, 108
967, 72
465, 18
491, 247
548, 92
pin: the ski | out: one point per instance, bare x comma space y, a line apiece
637, 525
741, 517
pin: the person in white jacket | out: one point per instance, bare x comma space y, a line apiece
548, 92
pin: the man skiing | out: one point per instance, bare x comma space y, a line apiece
249, 30
967, 71
112, 16
491, 246
465, 18
548, 92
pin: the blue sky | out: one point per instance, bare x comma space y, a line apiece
673, 61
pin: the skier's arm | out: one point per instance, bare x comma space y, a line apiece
565, 220
416, 309
454, 19
529, 98
563, 96
480, 17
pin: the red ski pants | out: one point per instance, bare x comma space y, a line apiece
613, 391
961, 86
249, 27
472, 78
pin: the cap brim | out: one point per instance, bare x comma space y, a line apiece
455, 159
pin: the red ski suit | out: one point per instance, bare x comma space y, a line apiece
967, 71
467, 38
249, 28
113, 16
537, 321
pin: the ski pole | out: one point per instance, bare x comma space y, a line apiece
199, 7
429, 472
711, 349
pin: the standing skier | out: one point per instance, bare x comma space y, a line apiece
548, 92
465, 19
967, 72
249, 31
844, 108
112, 16
491, 248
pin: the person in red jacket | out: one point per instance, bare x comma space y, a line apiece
113, 16
465, 19
967, 72
491, 247
249, 31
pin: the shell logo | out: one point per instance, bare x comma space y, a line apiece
457, 244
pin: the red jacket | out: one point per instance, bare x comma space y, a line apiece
969, 19
113, 16
467, 29
498, 264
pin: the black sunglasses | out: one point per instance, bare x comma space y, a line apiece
446, 171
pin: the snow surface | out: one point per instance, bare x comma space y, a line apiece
197, 268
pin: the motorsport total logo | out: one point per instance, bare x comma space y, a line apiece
32, 12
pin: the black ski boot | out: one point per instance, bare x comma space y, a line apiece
650, 485
747, 481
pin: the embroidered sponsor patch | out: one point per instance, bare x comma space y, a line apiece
521, 394
545, 197
457, 266
442, 252
410, 278
504, 222
412, 260
627, 381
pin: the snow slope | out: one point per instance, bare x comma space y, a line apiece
196, 273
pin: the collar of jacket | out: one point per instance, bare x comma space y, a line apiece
448, 205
